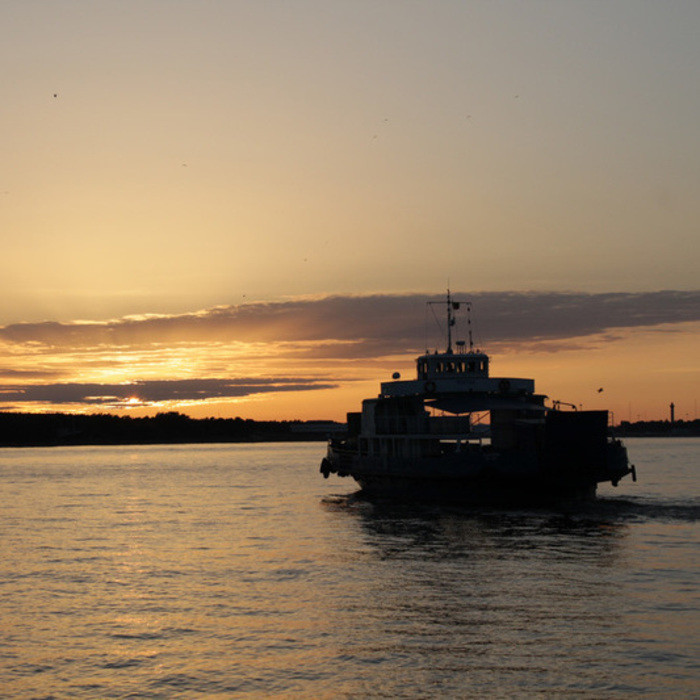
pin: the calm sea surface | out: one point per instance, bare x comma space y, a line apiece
237, 570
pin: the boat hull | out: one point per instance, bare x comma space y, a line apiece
471, 491
479, 476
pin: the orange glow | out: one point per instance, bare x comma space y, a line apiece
200, 174
145, 366
640, 372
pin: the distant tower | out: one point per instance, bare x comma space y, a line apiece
673, 412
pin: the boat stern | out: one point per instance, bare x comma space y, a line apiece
578, 447
339, 458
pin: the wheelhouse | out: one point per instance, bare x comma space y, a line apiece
446, 365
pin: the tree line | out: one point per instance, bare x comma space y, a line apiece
45, 429
659, 428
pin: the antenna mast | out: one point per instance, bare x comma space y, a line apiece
450, 322
453, 306
469, 326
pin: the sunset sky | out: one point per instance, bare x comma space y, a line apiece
239, 208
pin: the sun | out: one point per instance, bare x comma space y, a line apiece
133, 400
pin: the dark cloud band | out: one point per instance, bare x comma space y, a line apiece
383, 323
153, 390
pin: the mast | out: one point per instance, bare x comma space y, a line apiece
453, 306
450, 322
469, 326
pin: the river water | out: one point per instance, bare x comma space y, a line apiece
238, 571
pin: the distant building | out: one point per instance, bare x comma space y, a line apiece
322, 428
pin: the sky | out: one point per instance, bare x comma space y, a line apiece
240, 208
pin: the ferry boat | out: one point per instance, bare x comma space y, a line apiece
455, 433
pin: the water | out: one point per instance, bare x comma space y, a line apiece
236, 570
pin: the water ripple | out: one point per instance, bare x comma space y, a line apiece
229, 571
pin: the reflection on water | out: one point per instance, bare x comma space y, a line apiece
532, 599
450, 531
229, 570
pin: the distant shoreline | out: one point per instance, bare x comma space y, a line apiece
659, 428
64, 429
661, 436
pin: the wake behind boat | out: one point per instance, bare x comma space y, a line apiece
499, 442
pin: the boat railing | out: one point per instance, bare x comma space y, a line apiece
400, 425
449, 425
420, 425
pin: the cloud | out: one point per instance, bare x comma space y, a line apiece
230, 352
153, 391
372, 325
15, 374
